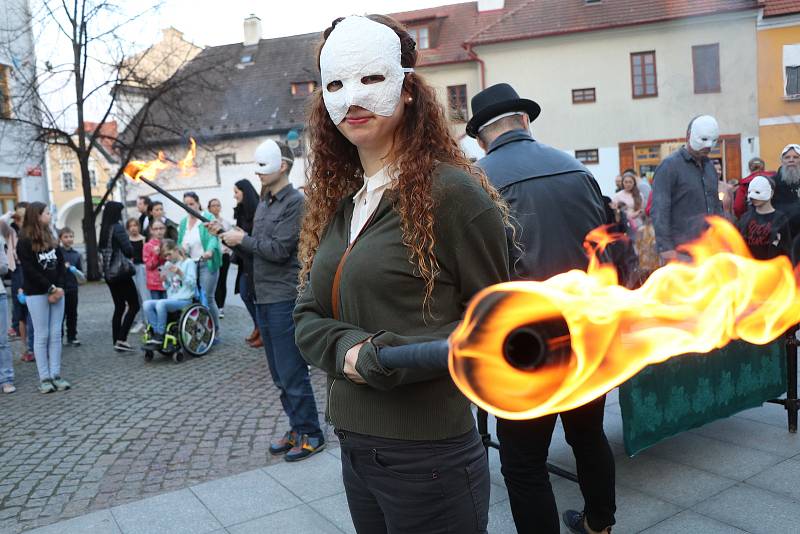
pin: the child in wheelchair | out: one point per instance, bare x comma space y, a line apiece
179, 276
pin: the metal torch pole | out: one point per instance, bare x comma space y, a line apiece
193, 212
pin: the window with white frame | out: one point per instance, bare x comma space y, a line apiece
92, 175
67, 180
420, 36
791, 70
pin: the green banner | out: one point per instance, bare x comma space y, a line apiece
694, 389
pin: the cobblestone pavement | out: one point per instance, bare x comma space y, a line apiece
130, 429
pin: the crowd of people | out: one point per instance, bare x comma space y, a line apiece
396, 232
688, 186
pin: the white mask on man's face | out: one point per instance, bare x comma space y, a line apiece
704, 133
358, 50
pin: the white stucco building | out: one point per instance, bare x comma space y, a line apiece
22, 157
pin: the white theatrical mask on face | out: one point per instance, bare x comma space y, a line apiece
268, 157
704, 133
358, 50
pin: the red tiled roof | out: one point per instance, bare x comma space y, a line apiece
108, 130
776, 8
539, 18
450, 26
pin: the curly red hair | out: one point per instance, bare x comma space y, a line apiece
335, 169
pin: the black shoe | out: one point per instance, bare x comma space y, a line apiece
307, 446
284, 443
575, 522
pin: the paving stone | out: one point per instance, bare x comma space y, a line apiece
299, 519
783, 478
335, 510
177, 513
95, 523
688, 521
738, 505
718, 457
313, 478
243, 497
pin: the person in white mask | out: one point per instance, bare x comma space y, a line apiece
685, 189
393, 209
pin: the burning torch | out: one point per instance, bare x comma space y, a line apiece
528, 349
145, 172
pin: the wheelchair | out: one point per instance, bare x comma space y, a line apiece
190, 332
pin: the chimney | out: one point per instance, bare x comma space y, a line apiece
490, 5
252, 30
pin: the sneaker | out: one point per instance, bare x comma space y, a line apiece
74, 343
12, 334
136, 328
221, 313
122, 346
155, 342
9, 388
283, 444
27, 356
46, 387
576, 523
308, 446
61, 384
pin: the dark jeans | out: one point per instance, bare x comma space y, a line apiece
247, 296
71, 313
288, 369
222, 283
126, 306
400, 486
523, 454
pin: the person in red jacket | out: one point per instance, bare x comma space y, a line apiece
757, 168
152, 260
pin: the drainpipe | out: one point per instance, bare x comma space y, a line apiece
481, 65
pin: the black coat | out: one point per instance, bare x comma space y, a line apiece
787, 200
555, 201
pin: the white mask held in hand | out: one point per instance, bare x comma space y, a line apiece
360, 50
704, 133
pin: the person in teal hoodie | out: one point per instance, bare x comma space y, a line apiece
203, 247
179, 275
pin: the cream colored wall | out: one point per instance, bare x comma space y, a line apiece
547, 70
441, 76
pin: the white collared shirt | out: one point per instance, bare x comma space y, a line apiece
366, 200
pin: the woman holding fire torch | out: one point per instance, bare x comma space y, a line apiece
393, 209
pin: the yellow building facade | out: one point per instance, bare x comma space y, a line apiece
778, 86
66, 190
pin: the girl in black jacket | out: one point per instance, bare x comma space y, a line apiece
43, 268
123, 292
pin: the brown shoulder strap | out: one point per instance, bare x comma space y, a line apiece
337, 277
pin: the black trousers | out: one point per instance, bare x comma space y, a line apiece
417, 487
523, 454
71, 313
222, 283
126, 306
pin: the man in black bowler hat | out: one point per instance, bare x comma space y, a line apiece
555, 201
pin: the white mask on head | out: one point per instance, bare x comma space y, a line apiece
704, 133
356, 48
268, 157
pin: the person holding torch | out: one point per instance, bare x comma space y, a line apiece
400, 231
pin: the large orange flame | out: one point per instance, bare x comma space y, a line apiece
149, 170
720, 295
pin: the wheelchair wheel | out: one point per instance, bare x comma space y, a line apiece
148, 355
177, 356
196, 330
